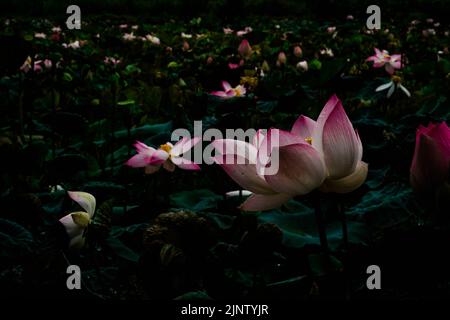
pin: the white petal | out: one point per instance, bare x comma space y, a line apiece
384, 86
406, 91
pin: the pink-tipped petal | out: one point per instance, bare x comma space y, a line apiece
260, 202
304, 127
158, 157
185, 164
226, 86
243, 174
221, 94
184, 145
138, 161
236, 147
85, 200
300, 170
335, 138
348, 183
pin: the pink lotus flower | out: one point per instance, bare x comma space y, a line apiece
325, 154
154, 40
168, 155
111, 60
338, 144
431, 162
281, 60
74, 45
129, 36
331, 29
249, 162
230, 92
390, 62
244, 49
233, 66
75, 223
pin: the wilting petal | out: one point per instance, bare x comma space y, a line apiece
85, 200
406, 91
391, 91
335, 138
300, 170
304, 127
348, 183
243, 174
259, 202
158, 157
185, 164
384, 86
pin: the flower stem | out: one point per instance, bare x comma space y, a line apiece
321, 225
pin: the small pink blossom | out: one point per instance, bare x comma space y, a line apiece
230, 92
384, 59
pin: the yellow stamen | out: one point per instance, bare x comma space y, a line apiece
166, 147
309, 140
396, 79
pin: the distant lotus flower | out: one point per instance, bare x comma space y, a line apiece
331, 29
428, 32
123, 26
186, 46
327, 52
230, 92
298, 51
431, 162
40, 35
244, 49
281, 60
210, 60
415, 22
76, 223
48, 63
135, 27
111, 60
154, 40
338, 144
129, 36
186, 36
228, 30
233, 66
350, 17
383, 58
241, 33
395, 83
74, 45
430, 20
56, 29
168, 156
302, 65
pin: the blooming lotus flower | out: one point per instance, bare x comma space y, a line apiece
300, 168
230, 92
382, 58
338, 145
168, 155
244, 49
395, 83
431, 162
327, 52
76, 223
233, 66
186, 36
